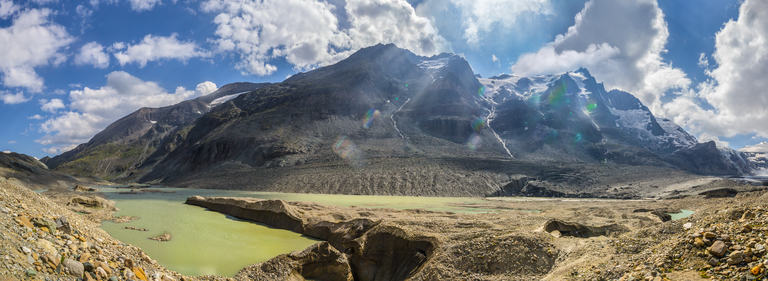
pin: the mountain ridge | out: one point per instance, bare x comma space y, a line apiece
384, 105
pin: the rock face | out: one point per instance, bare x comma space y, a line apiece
373, 251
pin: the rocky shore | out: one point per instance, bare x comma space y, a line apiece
43, 238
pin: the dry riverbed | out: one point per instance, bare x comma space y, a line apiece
566, 239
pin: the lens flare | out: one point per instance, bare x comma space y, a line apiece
478, 125
346, 149
591, 106
577, 138
481, 91
369, 117
474, 142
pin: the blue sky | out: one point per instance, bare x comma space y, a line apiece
70, 68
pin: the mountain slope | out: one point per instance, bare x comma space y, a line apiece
385, 121
146, 135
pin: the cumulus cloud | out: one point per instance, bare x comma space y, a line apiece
9, 98
51, 106
153, 48
36, 117
93, 54
621, 43
7, 8
143, 5
734, 98
31, 41
205, 88
83, 12
92, 110
309, 34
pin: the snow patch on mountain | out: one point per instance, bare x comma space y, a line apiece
676, 134
758, 155
735, 160
224, 99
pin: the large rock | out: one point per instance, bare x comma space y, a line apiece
43, 222
718, 248
63, 225
81, 188
74, 267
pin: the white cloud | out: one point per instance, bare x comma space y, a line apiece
12, 142
6, 151
621, 43
93, 54
478, 18
703, 61
309, 34
51, 106
205, 88
92, 110
9, 98
83, 12
154, 48
7, 8
36, 117
59, 92
143, 5
494, 58
736, 94
31, 41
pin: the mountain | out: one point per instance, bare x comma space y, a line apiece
142, 138
34, 174
757, 154
386, 121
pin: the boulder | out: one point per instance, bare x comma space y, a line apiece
718, 248
43, 222
63, 225
74, 267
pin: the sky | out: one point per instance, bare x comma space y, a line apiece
70, 68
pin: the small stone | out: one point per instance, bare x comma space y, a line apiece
139, 272
74, 267
113, 278
88, 267
31, 273
709, 235
26, 250
718, 249
699, 242
47, 247
687, 226
756, 270
129, 263
6, 210
713, 261
84, 257
726, 237
101, 272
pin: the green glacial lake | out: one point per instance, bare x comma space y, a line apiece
683, 214
205, 242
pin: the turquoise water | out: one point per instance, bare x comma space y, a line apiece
683, 214
205, 242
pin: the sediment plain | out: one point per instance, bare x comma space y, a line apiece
567, 239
